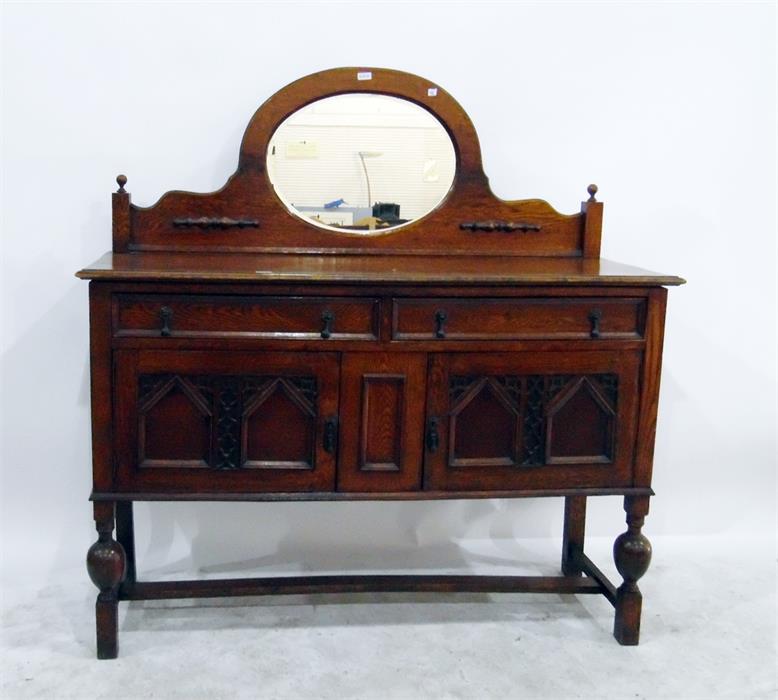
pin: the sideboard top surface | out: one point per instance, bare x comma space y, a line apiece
228, 267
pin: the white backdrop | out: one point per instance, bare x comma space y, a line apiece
669, 108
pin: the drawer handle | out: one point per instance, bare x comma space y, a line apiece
330, 438
440, 321
166, 316
433, 438
327, 318
594, 318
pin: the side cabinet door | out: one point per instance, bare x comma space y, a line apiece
531, 421
230, 422
382, 421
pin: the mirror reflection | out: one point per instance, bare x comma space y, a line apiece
361, 162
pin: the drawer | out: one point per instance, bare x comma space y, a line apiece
302, 318
517, 319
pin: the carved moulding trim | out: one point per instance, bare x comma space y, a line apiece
209, 222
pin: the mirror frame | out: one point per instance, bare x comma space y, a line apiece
340, 81
246, 215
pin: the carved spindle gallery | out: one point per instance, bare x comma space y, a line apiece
210, 222
501, 226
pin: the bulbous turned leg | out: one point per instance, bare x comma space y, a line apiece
632, 554
106, 564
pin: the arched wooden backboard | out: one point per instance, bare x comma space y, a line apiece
246, 215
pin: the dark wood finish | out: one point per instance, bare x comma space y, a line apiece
296, 318
383, 397
587, 566
632, 554
592, 211
649, 396
240, 353
221, 222
503, 226
234, 422
499, 429
125, 536
312, 585
573, 534
106, 565
429, 268
424, 495
249, 195
513, 319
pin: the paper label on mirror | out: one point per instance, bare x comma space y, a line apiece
432, 92
365, 75
302, 149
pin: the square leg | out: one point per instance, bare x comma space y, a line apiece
573, 537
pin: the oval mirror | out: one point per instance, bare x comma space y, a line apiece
361, 162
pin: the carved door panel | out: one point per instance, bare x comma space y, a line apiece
523, 421
226, 421
382, 421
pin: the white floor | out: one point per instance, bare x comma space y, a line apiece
709, 631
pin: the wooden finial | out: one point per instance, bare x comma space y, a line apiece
592, 190
121, 180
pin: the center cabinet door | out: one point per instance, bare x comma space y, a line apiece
193, 421
382, 421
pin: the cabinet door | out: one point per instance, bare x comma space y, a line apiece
530, 420
226, 421
382, 421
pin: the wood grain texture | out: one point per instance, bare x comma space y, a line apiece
632, 555
106, 565
650, 380
275, 457
273, 317
173, 495
365, 269
249, 194
382, 421
511, 319
360, 583
121, 221
240, 353
574, 530
101, 379
483, 469
592, 212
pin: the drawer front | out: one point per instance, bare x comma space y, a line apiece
517, 319
303, 318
